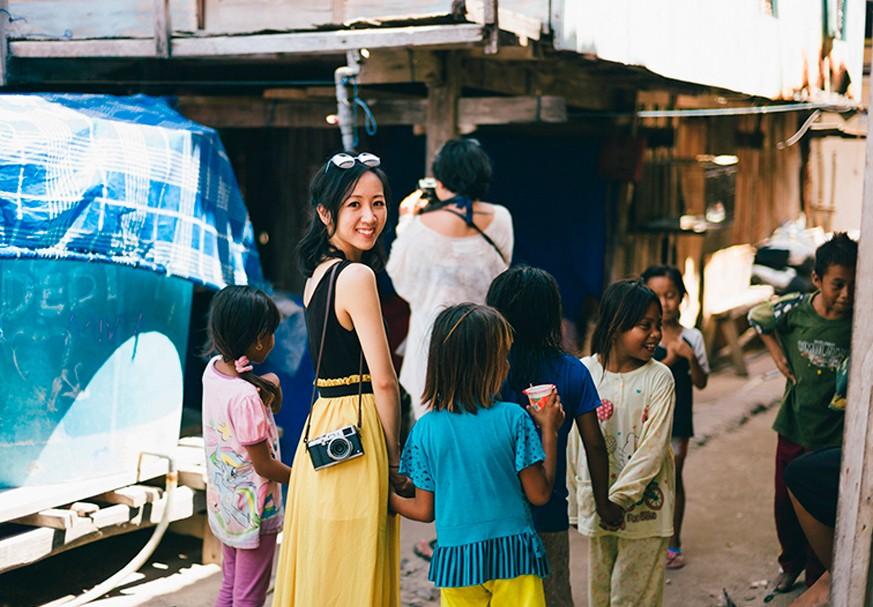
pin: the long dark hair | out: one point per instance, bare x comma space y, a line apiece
670, 272
467, 362
238, 316
530, 300
330, 187
622, 306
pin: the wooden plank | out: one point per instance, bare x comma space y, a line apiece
330, 42
84, 508
851, 583
163, 29
111, 515
389, 66
520, 24
69, 49
54, 518
30, 546
509, 110
133, 496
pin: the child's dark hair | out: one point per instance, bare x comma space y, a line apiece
238, 316
840, 250
330, 187
622, 306
530, 301
463, 167
671, 272
467, 361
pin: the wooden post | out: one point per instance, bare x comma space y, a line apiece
851, 584
163, 32
442, 106
4, 43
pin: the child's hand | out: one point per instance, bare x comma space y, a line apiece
611, 516
401, 485
681, 348
782, 365
242, 365
551, 416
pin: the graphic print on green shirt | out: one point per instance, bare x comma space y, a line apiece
815, 348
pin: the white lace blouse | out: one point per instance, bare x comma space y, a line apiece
432, 271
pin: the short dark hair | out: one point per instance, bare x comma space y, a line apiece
840, 250
238, 316
467, 360
463, 167
530, 301
671, 272
330, 187
622, 306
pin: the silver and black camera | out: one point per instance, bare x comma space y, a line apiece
335, 447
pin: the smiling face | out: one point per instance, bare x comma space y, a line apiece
639, 342
360, 218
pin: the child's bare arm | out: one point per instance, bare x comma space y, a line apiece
418, 508
598, 468
265, 465
538, 480
778, 355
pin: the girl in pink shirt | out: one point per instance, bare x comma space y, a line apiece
244, 502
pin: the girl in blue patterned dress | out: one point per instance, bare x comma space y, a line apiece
484, 460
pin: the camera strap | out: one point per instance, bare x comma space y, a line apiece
482, 233
313, 398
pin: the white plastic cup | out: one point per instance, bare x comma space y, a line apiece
539, 395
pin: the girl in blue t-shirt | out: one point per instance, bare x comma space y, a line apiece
537, 358
485, 461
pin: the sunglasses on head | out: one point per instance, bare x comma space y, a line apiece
347, 161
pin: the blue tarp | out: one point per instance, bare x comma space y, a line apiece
125, 180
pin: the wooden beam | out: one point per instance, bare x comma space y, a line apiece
163, 29
310, 43
390, 66
852, 579
442, 107
255, 112
4, 41
68, 49
306, 43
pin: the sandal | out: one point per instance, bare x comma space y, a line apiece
675, 559
785, 582
424, 549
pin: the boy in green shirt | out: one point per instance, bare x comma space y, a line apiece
809, 337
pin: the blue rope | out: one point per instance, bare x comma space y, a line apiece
370, 125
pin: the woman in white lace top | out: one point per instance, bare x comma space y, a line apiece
448, 252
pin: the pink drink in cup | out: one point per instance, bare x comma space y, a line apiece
539, 395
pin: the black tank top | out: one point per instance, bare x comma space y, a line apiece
342, 349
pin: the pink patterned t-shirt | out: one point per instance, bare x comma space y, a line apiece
241, 505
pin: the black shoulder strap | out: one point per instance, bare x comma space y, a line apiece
330, 287
478, 229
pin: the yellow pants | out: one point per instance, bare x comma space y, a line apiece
625, 572
523, 591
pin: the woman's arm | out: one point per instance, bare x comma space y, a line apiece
418, 508
265, 465
357, 296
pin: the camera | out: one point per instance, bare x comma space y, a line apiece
427, 185
335, 447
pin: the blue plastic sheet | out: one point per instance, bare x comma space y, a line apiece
125, 180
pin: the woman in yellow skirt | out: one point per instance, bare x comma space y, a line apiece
340, 544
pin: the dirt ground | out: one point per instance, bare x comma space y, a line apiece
729, 537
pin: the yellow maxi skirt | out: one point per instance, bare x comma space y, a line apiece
340, 546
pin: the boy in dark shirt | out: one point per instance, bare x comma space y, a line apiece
809, 337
